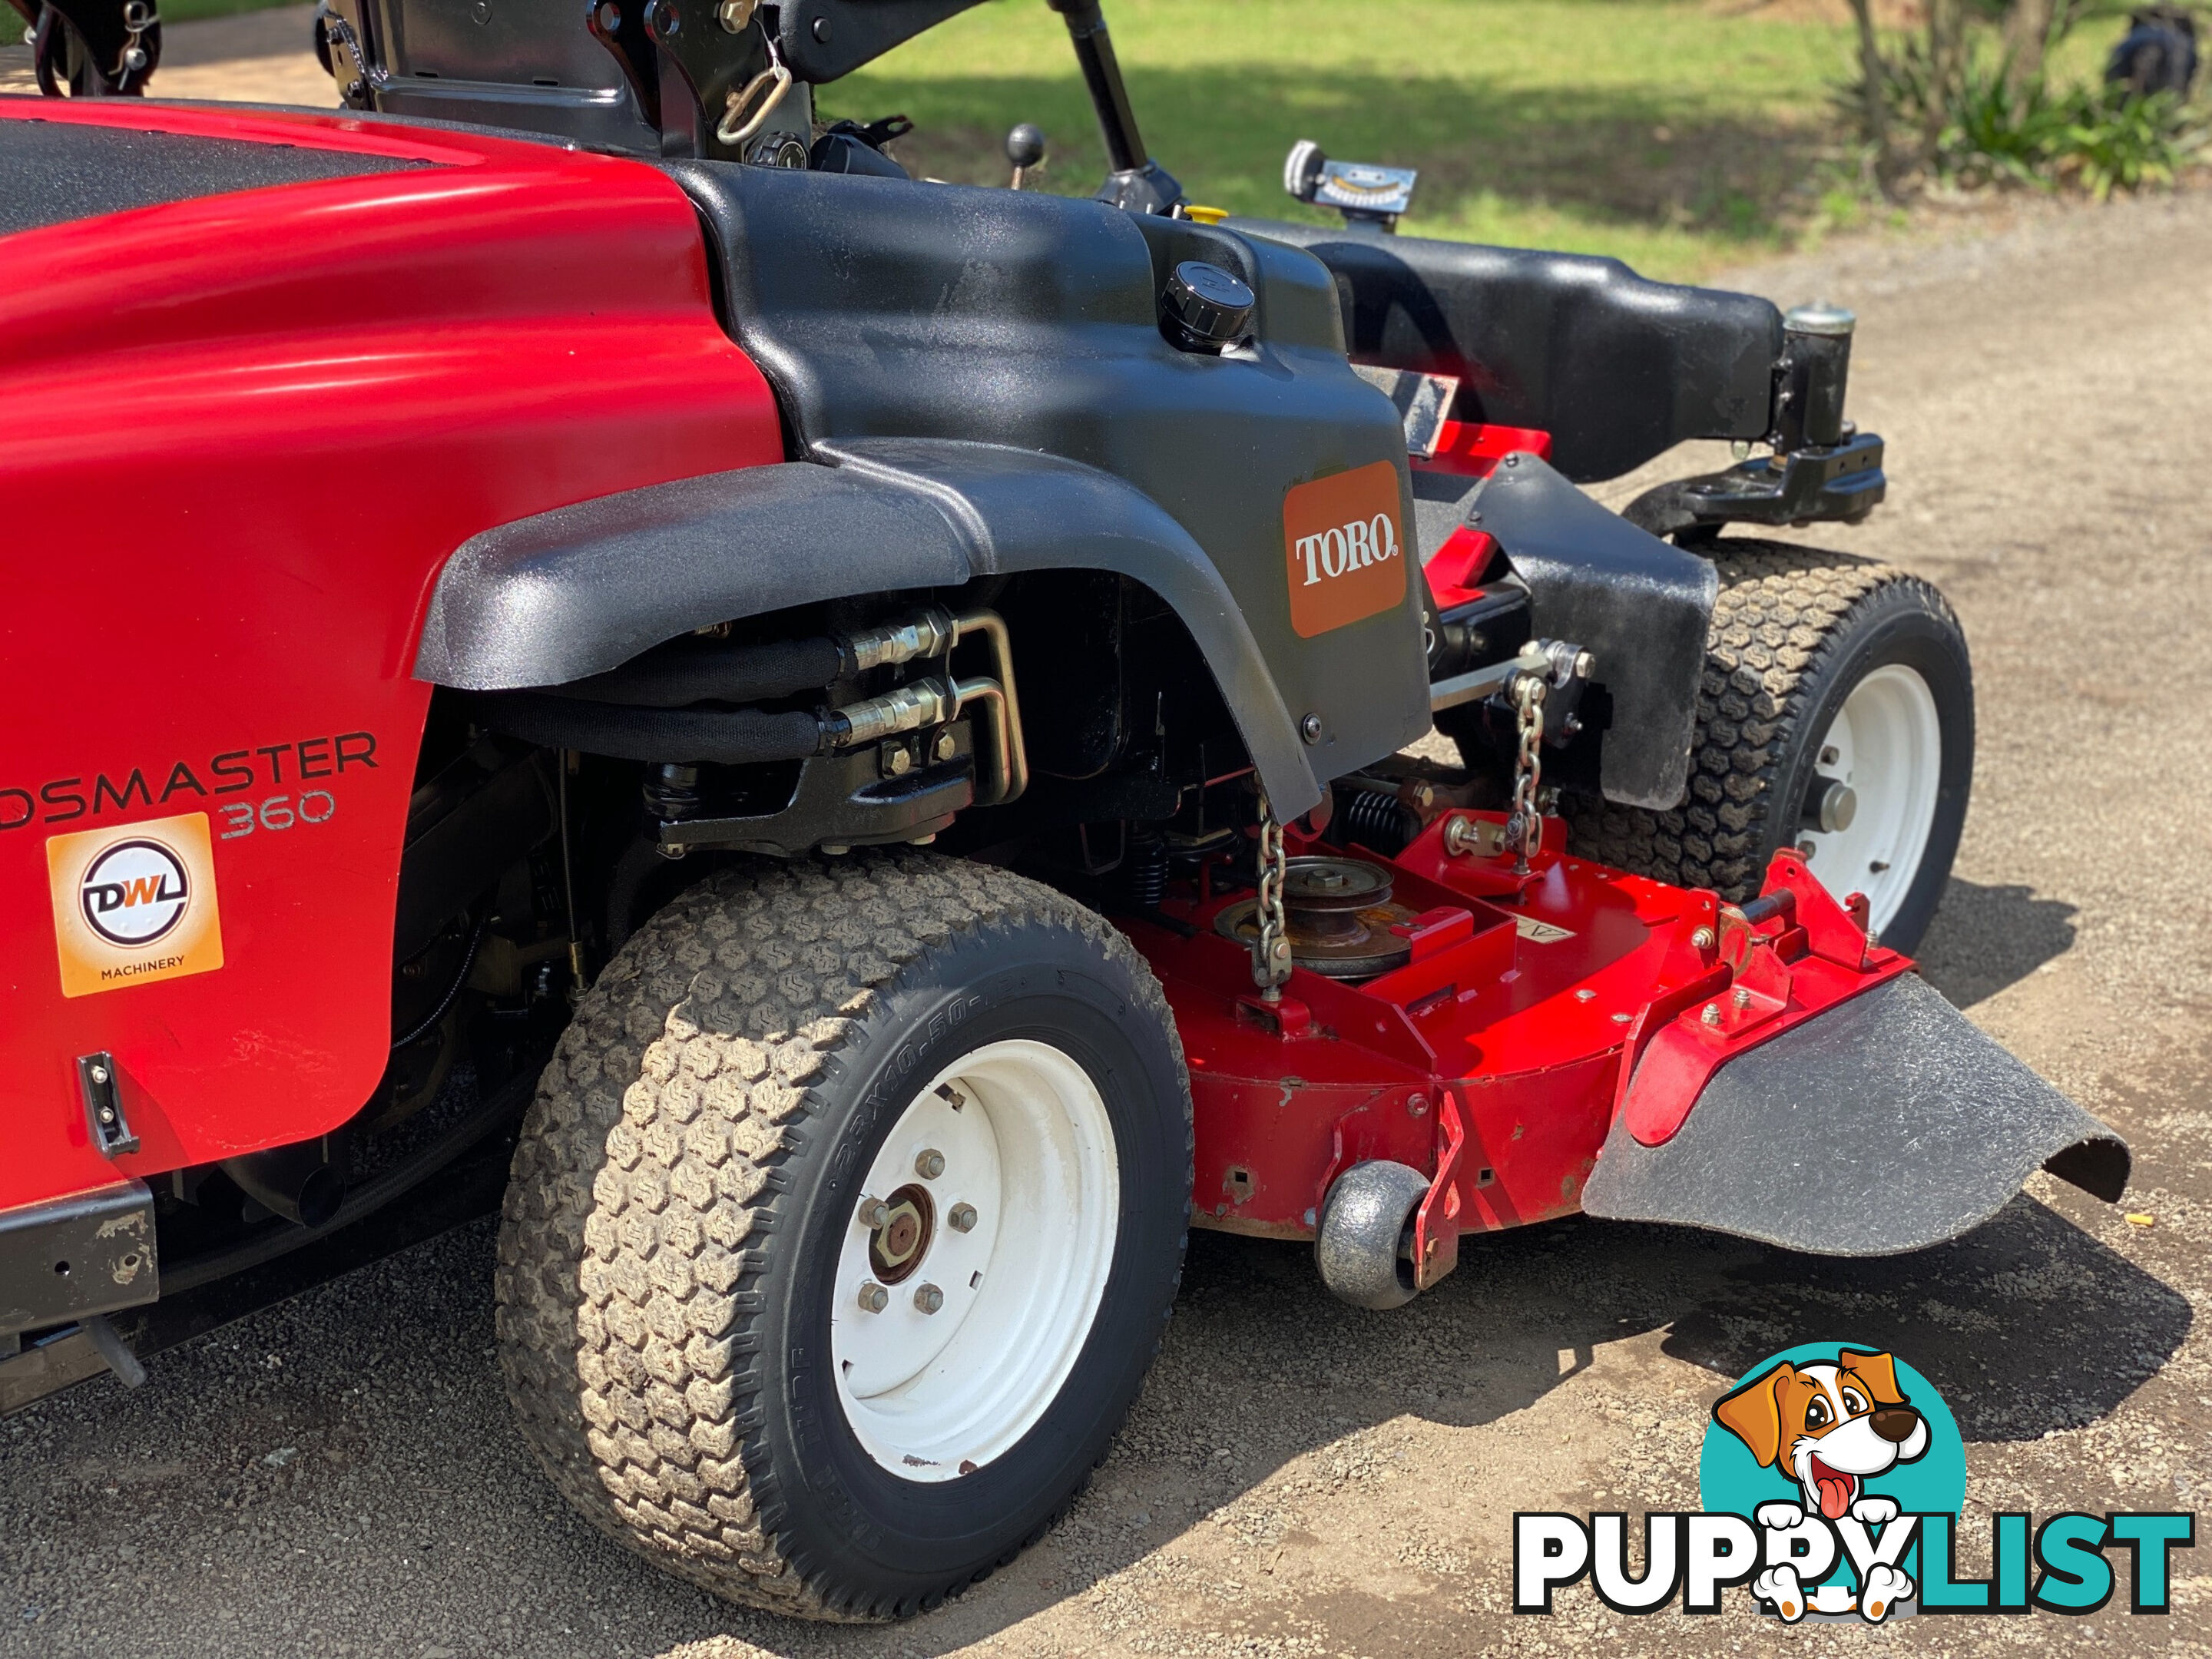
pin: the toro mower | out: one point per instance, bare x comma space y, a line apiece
852, 730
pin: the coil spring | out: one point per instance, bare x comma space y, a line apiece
1381, 821
1144, 876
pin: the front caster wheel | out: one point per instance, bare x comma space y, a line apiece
1364, 1245
1837, 716
844, 1229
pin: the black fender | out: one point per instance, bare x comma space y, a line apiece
566, 594
1642, 607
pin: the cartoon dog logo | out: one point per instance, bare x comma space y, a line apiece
1830, 1427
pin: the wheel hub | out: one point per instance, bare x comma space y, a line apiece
896, 1248
962, 1296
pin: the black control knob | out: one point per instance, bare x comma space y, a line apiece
1025, 149
1207, 307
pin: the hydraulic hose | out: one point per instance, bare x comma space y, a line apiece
736, 737
689, 672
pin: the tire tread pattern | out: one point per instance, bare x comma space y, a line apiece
645, 1203
1781, 611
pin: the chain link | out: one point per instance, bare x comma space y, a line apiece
1270, 948
1524, 829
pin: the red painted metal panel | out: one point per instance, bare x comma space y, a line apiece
245, 432
1496, 1059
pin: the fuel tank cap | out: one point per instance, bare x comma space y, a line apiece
1207, 307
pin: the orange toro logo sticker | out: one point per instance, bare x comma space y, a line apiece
1341, 541
134, 904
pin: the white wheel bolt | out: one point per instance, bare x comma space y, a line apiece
961, 1218
874, 1298
874, 1214
929, 1164
928, 1298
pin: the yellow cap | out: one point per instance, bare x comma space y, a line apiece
1205, 216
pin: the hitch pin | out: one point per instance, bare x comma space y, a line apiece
777, 78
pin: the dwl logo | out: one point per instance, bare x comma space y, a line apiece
135, 892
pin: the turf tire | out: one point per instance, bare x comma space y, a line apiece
694, 1156
1794, 629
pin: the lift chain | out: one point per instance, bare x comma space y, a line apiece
1524, 829
1270, 947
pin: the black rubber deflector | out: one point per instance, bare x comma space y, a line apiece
1888, 1124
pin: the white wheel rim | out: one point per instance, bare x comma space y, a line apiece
932, 1396
1886, 743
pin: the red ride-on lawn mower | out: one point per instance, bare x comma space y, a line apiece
852, 729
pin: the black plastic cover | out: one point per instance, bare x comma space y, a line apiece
1641, 606
550, 599
52, 172
821, 39
1616, 367
1887, 1124
882, 308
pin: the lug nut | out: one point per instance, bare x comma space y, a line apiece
961, 1218
929, 1164
874, 1298
928, 1298
873, 1213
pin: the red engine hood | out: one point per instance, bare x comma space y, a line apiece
245, 427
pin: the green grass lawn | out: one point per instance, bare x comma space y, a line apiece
1670, 134
1680, 135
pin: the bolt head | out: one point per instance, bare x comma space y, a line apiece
1740, 997
874, 1298
1712, 1016
929, 1164
1703, 938
1310, 728
945, 747
107, 1115
100, 1074
961, 1218
927, 1298
873, 1213
898, 760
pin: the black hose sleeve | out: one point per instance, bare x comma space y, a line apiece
696, 671
738, 738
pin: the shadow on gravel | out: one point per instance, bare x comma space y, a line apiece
1985, 939
339, 1476
2028, 1325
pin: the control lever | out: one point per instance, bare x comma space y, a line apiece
1025, 149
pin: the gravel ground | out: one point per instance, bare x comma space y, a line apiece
339, 1476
